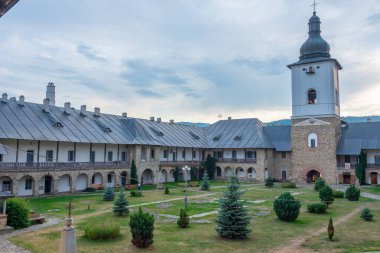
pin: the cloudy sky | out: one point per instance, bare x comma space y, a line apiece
187, 60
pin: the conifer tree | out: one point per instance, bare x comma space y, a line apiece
232, 220
134, 180
330, 229
121, 205
183, 220
205, 182
108, 194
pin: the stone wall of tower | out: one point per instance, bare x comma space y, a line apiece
321, 158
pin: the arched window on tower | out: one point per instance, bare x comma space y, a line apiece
312, 96
312, 141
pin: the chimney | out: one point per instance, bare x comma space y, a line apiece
83, 110
229, 118
97, 112
124, 114
46, 105
4, 98
171, 121
21, 101
67, 107
152, 118
158, 119
50, 93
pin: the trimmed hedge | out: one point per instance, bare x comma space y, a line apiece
269, 181
102, 232
136, 194
326, 195
18, 213
338, 194
319, 208
319, 184
353, 193
286, 207
289, 185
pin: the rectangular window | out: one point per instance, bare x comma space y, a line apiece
49, 155
215, 154
377, 159
92, 156
110, 156
70, 156
283, 154
28, 184
220, 154
6, 186
251, 154
347, 159
266, 154
194, 154
152, 154
166, 153
312, 143
124, 156
109, 178
1, 157
233, 154
183, 154
30, 156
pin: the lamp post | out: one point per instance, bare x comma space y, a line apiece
185, 170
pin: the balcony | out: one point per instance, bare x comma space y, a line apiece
236, 160
47, 166
180, 163
375, 166
343, 166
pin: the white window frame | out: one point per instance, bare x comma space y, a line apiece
310, 137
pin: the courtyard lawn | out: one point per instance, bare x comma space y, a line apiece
374, 189
268, 232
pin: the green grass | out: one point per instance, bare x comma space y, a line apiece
374, 189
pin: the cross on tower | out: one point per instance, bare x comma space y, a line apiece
314, 4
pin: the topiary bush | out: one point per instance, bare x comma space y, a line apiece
353, 193
18, 213
289, 185
366, 214
166, 190
326, 195
319, 208
142, 227
319, 184
286, 207
121, 205
269, 181
183, 220
338, 194
108, 194
102, 232
136, 194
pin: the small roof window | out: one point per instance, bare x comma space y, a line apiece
55, 122
103, 126
196, 137
217, 138
238, 138
157, 132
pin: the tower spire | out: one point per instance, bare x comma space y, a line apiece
314, 4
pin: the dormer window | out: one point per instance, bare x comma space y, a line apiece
312, 140
237, 138
312, 97
217, 138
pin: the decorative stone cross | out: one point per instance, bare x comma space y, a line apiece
70, 207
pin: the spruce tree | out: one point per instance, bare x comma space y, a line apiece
108, 194
134, 180
121, 205
183, 220
142, 227
232, 220
330, 229
205, 182
366, 214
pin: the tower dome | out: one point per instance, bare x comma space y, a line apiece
315, 45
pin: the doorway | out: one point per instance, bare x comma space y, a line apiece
346, 178
374, 178
283, 175
48, 184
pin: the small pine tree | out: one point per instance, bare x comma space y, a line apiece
330, 229
183, 220
326, 195
319, 184
286, 207
205, 182
121, 205
366, 214
353, 193
167, 190
269, 181
134, 180
233, 219
142, 227
108, 194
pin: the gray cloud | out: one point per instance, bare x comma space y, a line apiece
89, 53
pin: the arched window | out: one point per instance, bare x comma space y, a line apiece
312, 140
312, 97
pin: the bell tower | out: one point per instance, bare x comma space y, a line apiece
315, 109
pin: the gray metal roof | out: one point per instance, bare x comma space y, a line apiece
3, 151
280, 137
358, 136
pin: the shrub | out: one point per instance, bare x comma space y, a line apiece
330, 229
269, 181
102, 232
353, 193
183, 220
338, 194
319, 184
366, 214
317, 208
136, 194
289, 185
205, 182
89, 189
18, 213
286, 207
142, 226
108, 194
232, 220
326, 195
167, 190
121, 205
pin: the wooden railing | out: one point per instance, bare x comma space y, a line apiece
60, 165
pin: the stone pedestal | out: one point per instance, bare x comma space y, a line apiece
68, 240
3, 221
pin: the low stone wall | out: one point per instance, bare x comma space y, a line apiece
3, 220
